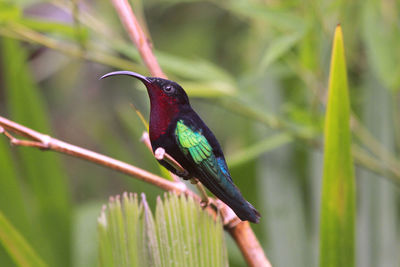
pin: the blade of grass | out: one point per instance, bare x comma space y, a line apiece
150, 244
18, 248
106, 257
382, 45
338, 189
278, 48
132, 213
10, 189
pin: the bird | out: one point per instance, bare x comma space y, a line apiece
179, 130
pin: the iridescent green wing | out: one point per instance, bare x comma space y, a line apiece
213, 170
193, 143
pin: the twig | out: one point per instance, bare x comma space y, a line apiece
138, 37
42, 141
240, 231
245, 237
205, 200
375, 146
160, 154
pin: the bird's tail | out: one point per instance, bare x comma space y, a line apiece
250, 214
243, 209
233, 198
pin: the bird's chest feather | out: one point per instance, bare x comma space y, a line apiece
162, 116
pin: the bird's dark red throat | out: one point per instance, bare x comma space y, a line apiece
163, 107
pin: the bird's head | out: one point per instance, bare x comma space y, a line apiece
161, 91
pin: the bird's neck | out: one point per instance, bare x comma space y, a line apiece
162, 114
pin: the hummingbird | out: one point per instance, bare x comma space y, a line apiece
177, 128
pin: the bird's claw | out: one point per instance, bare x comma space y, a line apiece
184, 174
205, 203
194, 181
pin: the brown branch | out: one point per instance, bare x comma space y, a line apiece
138, 36
245, 237
42, 141
240, 231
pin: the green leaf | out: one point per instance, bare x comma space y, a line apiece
106, 256
277, 17
338, 189
51, 27
46, 186
279, 47
10, 189
382, 39
149, 244
182, 234
9, 12
18, 248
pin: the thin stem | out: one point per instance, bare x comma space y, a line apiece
395, 118
47, 142
376, 147
138, 36
363, 158
203, 194
77, 24
160, 154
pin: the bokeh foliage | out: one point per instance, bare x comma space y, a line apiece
256, 71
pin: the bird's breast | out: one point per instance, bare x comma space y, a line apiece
162, 118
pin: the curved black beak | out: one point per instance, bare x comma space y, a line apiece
144, 79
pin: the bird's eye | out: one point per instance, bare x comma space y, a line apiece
169, 89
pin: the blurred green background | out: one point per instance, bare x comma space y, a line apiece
256, 71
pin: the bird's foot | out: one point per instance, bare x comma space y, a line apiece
194, 180
205, 202
183, 174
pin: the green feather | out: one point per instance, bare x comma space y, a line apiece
193, 143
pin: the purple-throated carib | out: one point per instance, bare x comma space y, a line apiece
177, 128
